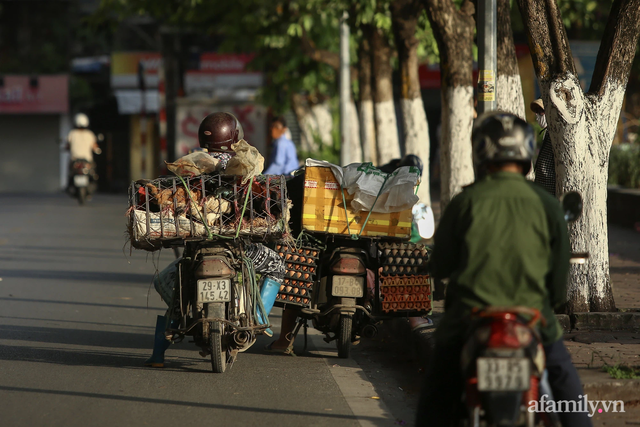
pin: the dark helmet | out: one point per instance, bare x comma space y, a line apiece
411, 160
502, 137
218, 131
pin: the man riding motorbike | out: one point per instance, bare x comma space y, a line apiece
216, 133
502, 242
82, 142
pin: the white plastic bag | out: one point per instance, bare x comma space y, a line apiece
364, 182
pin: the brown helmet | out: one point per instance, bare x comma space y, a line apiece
218, 131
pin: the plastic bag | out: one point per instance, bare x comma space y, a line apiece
247, 162
395, 192
166, 281
194, 164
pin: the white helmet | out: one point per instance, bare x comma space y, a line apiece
81, 120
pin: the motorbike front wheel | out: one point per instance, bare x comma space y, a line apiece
82, 195
344, 337
218, 352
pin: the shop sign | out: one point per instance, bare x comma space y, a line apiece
34, 94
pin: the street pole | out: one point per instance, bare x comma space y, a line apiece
487, 57
345, 90
143, 121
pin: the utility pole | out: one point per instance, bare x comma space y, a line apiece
143, 121
345, 90
487, 57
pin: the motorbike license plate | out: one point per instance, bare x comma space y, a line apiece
503, 374
347, 286
80, 180
214, 290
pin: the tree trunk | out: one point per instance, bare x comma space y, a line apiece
324, 120
405, 14
367, 116
307, 121
355, 148
453, 30
509, 95
581, 127
386, 125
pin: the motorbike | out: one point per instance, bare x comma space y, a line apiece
503, 360
83, 179
215, 301
346, 302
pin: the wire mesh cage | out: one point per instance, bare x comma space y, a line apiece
169, 210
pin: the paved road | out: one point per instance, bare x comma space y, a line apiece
77, 311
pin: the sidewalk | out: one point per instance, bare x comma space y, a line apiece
591, 351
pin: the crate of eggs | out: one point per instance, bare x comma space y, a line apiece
404, 284
301, 264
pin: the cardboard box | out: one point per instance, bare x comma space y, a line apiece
324, 211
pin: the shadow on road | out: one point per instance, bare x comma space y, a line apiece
81, 337
83, 276
165, 403
92, 304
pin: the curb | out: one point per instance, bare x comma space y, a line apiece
600, 386
616, 321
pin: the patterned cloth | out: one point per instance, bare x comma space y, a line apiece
545, 166
266, 261
223, 157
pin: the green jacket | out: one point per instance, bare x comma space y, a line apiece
503, 241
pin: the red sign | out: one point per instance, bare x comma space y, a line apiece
225, 63
34, 94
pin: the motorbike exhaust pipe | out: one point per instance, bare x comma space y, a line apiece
369, 331
241, 337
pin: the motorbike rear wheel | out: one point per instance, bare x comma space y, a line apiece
82, 195
218, 352
344, 336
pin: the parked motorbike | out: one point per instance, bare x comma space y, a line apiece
345, 305
503, 359
83, 179
216, 301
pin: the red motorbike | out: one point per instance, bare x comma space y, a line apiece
503, 362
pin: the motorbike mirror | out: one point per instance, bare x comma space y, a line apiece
423, 217
572, 206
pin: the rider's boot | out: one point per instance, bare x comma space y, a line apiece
268, 293
160, 344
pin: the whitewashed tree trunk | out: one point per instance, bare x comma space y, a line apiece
417, 142
355, 148
368, 132
324, 120
387, 132
456, 159
385, 112
307, 121
509, 95
582, 129
509, 98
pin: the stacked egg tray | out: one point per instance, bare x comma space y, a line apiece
301, 264
404, 285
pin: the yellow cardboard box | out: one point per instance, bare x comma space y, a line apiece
323, 210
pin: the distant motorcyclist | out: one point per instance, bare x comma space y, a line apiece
81, 141
502, 242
